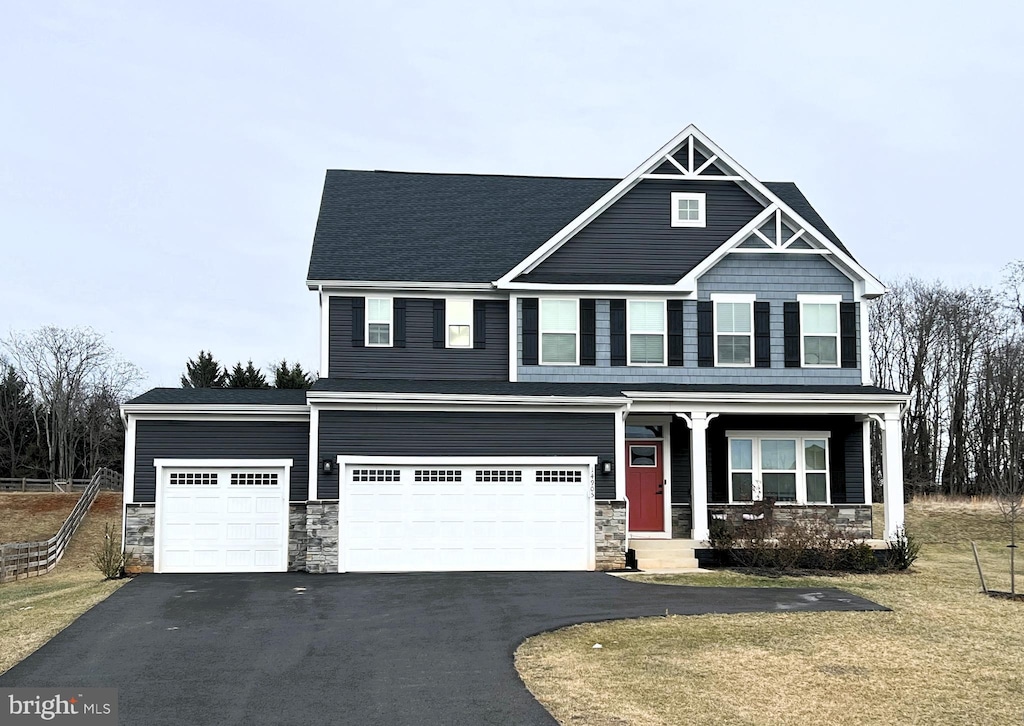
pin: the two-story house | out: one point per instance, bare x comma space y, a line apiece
526, 373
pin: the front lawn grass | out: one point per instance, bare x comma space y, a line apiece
33, 610
946, 654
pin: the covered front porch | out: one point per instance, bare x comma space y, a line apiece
691, 458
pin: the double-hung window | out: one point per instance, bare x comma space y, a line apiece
819, 330
378, 321
459, 323
646, 325
559, 331
786, 466
734, 329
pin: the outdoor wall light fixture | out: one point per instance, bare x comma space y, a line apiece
327, 465
607, 466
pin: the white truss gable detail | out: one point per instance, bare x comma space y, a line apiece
693, 139
778, 242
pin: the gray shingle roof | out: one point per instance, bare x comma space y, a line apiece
226, 396
405, 226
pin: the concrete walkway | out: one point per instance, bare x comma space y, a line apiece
417, 649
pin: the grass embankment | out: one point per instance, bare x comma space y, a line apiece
946, 654
35, 609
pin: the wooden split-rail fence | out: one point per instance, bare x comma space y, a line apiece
28, 559
48, 485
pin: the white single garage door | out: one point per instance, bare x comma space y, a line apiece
430, 516
222, 519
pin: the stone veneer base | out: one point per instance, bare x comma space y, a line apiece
853, 520
139, 528
610, 535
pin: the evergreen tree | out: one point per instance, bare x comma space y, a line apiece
16, 424
203, 372
294, 377
248, 377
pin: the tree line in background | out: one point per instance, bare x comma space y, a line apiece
205, 372
60, 396
959, 354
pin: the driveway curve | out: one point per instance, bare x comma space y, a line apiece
398, 649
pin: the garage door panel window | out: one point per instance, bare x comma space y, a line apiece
254, 479
376, 475
501, 476
559, 476
438, 475
782, 466
193, 478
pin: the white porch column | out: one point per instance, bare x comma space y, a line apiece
699, 476
892, 472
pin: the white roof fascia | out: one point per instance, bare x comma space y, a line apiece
153, 410
326, 397
397, 284
595, 209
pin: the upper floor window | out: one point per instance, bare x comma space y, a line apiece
645, 323
688, 209
734, 329
459, 323
819, 330
559, 331
378, 321
783, 465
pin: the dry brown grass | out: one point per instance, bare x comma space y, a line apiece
31, 516
34, 610
945, 655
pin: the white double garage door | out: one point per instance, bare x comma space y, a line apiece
395, 515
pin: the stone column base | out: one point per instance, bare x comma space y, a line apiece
610, 535
140, 524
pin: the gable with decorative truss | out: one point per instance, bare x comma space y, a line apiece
627, 238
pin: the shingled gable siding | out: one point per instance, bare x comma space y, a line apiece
419, 359
220, 440
635, 236
772, 277
452, 433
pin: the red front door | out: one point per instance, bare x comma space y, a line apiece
645, 486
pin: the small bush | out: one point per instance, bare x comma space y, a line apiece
903, 551
720, 535
109, 559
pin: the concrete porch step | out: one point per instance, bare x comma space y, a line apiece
664, 554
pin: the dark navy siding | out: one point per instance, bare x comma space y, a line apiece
681, 466
419, 359
450, 433
635, 236
845, 451
220, 440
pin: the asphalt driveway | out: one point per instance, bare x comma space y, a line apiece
418, 649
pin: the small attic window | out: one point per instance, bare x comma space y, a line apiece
688, 209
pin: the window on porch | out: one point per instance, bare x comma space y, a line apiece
785, 466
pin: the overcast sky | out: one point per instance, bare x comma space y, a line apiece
161, 165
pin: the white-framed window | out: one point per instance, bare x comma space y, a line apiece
788, 466
819, 330
688, 209
379, 322
734, 329
645, 327
559, 331
458, 314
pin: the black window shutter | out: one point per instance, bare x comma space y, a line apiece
848, 334
358, 322
762, 334
675, 332
530, 327
588, 332
617, 308
705, 333
479, 324
791, 333
439, 323
398, 307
